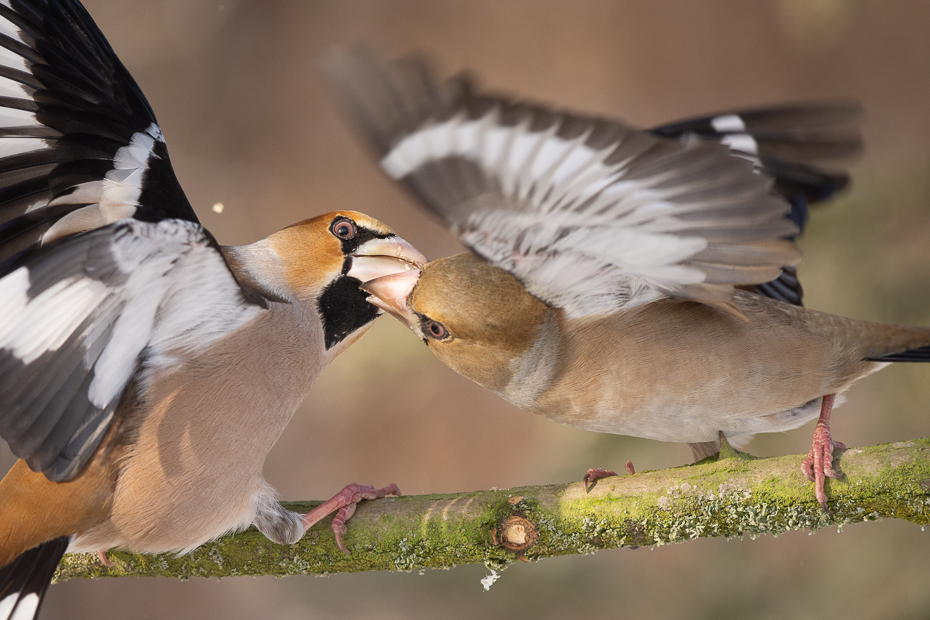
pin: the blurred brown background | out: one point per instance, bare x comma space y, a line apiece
249, 123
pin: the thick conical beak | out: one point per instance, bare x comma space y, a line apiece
390, 293
377, 258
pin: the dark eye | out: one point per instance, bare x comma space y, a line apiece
344, 229
437, 330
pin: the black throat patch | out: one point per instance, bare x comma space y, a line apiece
344, 310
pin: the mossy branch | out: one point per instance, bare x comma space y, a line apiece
730, 496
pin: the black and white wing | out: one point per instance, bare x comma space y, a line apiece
591, 215
79, 144
81, 318
790, 143
105, 274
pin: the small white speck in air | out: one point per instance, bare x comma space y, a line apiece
218, 207
488, 581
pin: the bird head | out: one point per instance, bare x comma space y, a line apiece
476, 318
323, 260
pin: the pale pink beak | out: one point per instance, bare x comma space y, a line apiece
381, 257
390, 293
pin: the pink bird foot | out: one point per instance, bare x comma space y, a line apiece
819, 462
102, 555
343, 504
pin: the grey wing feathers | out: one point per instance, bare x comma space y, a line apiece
590, 214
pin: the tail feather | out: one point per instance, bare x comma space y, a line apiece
917, 354
24, 581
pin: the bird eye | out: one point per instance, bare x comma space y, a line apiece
437, 330
343, 228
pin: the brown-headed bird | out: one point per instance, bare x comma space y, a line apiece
145, 370
606, 288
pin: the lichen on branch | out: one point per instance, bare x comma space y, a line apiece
730, 496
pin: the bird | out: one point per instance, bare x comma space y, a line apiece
636, 282
145, 370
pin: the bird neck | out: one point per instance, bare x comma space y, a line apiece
534, 371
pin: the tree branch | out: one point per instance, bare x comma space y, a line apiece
732, 496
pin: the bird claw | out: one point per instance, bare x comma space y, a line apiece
596, 473
344, 504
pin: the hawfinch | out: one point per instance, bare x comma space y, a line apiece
145, 370
606, 286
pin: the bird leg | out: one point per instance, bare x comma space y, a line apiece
819, 461
102, 555
343, 504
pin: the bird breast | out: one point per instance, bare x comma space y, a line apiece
197, 439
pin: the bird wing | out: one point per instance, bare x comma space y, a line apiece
82, 318
105, 274
79, 144
591, 215
790, 143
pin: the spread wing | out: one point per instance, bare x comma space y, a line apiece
105, 274
79, 144
83, 317
591, 215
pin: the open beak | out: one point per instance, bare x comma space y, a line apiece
390, 293
377, 258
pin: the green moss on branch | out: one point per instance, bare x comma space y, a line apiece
729, 497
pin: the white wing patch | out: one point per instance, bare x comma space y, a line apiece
123, 184
114, 198
30, 327
741, 142
728, 123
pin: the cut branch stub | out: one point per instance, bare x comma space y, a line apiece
517, 534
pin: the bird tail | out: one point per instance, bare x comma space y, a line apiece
23, 582
916, 354
891, 343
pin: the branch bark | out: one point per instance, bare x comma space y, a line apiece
730, 496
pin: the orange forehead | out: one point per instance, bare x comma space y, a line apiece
312, 256
322, 222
